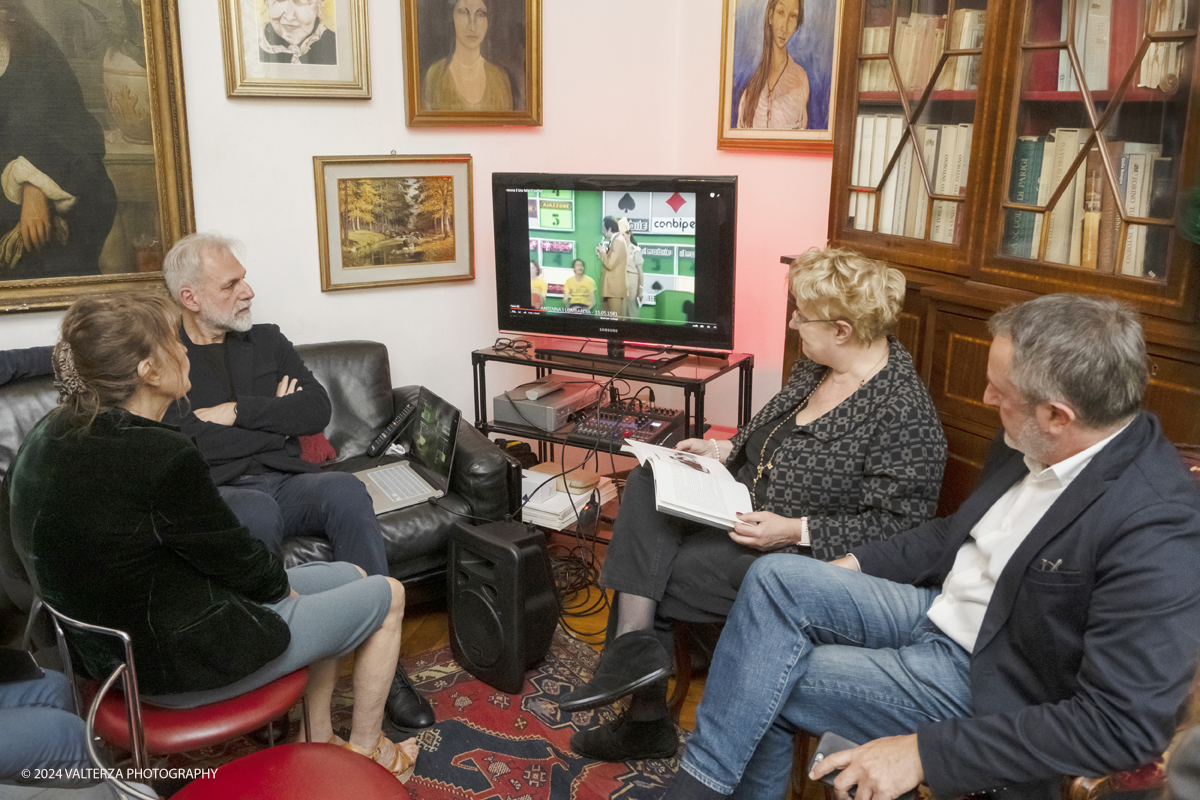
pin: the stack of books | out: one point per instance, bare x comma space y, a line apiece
1084, 227
903, 199
561, 509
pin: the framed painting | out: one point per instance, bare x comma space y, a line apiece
296, 48
392, 220
778, 75
93, 148
473, 62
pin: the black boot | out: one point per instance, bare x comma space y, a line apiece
405, 706
685, 787
631, 661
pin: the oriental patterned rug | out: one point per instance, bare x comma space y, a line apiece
488, 745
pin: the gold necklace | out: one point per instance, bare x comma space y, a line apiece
762, 457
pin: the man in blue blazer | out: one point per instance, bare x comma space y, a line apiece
1049, 627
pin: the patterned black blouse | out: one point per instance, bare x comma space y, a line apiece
867, 470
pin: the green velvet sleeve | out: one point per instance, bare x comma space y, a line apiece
192, 520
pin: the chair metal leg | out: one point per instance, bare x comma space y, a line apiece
304, 714
683, 668
35, 608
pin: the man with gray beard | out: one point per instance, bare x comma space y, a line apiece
250, 400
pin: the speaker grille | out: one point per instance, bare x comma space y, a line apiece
477, 629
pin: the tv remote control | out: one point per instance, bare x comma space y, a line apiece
389, 433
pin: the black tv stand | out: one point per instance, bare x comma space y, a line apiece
650, 358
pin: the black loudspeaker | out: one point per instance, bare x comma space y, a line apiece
503, 604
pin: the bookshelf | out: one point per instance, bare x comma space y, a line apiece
995, 151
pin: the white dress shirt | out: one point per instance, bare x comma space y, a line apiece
958, 611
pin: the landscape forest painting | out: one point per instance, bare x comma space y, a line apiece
393, 220
396, 221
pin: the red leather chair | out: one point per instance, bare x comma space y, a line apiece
120, 719
307, 771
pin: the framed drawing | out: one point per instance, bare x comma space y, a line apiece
391, 220
473, 62
778, 74
93, 148
296, 48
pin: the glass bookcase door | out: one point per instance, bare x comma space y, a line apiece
918, 77
1097, 135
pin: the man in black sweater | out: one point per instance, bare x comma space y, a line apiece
251, 398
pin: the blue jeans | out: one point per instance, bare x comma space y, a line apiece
41, 730
814, 647
277, 505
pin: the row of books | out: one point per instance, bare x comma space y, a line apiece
1084, 226
920, 41
903, 199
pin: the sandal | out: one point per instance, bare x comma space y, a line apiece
398, 759
336, 741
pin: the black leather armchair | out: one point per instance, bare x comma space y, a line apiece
485, 482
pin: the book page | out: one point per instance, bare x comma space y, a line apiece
652, 455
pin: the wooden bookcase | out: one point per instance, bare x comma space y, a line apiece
1014, 137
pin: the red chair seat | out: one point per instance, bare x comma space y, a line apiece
170, 730
297, 772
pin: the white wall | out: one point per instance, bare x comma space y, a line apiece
646, 106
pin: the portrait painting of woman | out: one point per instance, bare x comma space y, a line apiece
296, 33
473, 62
777, 74
295, 48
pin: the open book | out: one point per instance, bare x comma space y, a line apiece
692, 487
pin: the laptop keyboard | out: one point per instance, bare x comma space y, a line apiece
399, 483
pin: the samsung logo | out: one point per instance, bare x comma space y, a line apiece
608, 330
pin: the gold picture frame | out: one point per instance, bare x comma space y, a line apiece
394, 220
128, 127
508, 53
810, 72
328, 55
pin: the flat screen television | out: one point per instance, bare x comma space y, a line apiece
685, 227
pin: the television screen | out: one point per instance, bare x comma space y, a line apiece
636, 258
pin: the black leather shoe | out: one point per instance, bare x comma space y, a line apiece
631, 661
405, 706
627, 740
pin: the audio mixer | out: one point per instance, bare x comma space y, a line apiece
608, 426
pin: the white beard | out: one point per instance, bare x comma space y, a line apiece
231, 322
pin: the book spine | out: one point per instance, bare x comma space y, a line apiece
1094, 175
902, 183
1110, 214
887, 210
877, 161
929, 151
1134, 172
855, 157
962, 162
941, 232
862, 220
1099, 24
1162, 195
1018, 225
1045, 189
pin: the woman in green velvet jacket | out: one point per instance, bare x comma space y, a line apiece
118, 524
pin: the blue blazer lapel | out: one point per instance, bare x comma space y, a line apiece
994, 484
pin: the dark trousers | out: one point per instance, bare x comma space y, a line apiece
278, 505
679, 563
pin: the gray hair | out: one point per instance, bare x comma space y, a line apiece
184, 264
1086, 352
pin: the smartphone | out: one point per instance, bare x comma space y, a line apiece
17, 666
831, 743
827, 745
